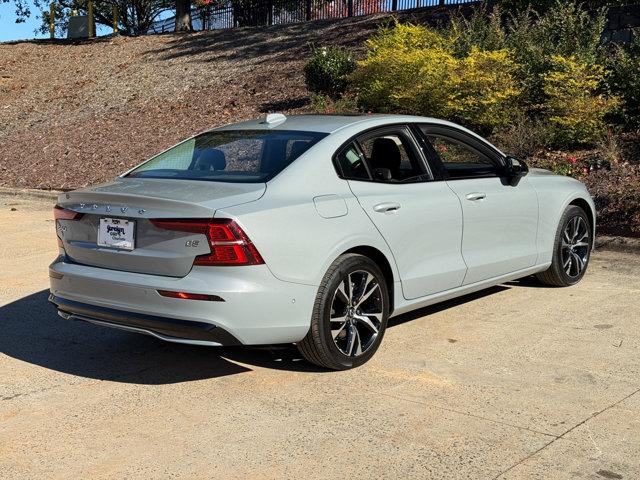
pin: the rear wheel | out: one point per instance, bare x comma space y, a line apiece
571, 249
349, 316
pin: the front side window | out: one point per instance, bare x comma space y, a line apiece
244, 156
461, 160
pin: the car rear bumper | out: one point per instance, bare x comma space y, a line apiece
168, 329
252, 308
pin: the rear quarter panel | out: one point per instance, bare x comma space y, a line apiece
297, 237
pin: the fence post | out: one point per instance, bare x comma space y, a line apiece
115, 19
394, 5
91, 27
52, 20
350, 8
307, 13
441, 3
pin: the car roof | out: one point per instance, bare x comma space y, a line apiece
332, 123
328, 123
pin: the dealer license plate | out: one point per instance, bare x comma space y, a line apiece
116, 233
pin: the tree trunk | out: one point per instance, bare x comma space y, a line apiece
183, 16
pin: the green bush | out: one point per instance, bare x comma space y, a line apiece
525, 137
544, 5
413, 69
573, 104
483, 89
567, 28
327, 71
623, 65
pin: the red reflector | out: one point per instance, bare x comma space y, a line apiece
190, 296
60, 213
229, 244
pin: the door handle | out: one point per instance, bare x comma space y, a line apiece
386, 207
476, 196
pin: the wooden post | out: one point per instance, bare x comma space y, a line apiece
394, 5
350, 8
115, 19
441, 3
52, 20
91, 26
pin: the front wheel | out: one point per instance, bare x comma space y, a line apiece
571, 250
349, 316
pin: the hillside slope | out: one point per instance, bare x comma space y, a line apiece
79, 113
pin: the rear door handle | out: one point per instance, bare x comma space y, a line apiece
386, 207
476, 196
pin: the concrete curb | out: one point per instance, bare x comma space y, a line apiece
618, 244
30, 193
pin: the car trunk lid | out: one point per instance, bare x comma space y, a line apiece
156, 251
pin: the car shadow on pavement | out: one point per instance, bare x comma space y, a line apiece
32, 332
439, 307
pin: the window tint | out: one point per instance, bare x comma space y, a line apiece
461, 160
230, 156
352, 164
391, 158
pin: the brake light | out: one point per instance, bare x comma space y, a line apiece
60, 213
229, 245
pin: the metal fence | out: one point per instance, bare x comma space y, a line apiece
252, 13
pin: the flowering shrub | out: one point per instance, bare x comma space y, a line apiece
327, 71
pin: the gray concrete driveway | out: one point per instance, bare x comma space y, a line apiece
519, 381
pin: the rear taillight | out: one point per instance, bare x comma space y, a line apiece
229, 244
60, 213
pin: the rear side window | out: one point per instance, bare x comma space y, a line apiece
352, 164
241, 156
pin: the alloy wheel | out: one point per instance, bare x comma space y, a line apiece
356, 313
575, 246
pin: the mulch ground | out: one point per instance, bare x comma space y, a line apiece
77, 113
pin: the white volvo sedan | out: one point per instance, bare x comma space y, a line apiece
312, 230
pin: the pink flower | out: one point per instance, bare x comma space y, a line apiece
572, 159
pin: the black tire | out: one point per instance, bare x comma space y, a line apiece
319, 346
558, 274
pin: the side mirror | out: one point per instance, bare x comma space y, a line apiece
515, 169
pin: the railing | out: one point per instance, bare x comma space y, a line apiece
251, 13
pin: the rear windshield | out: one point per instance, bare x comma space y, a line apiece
244, 156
